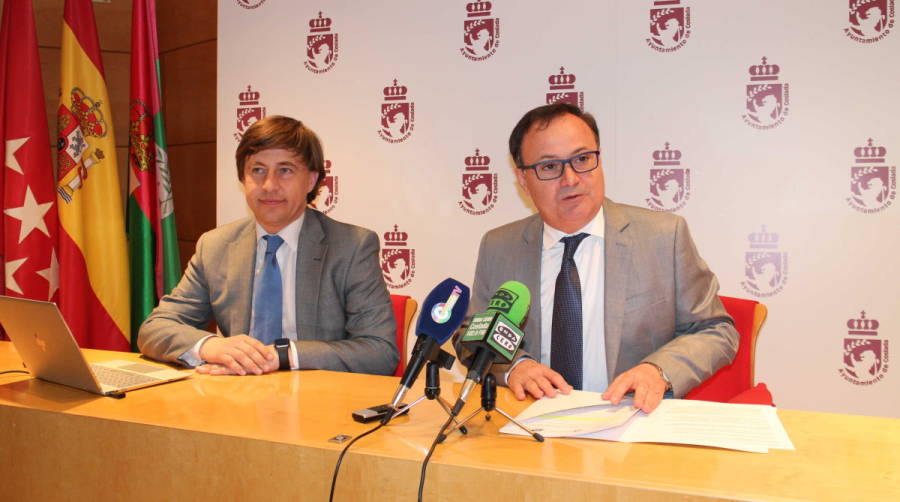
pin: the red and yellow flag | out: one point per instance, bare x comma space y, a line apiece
93, 259
29, 220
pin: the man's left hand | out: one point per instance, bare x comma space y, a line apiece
269, 366
646, 383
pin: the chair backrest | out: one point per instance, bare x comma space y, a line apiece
404, 309
738, 376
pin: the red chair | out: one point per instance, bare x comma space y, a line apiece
404, 310
734, 383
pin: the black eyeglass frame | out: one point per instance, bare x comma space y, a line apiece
568, 161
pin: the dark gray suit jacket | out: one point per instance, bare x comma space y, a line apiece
660, 298
343, 310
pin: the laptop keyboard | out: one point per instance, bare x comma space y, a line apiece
118, 378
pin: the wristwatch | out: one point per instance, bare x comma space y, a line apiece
283, 347
662, 374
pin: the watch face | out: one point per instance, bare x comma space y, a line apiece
282, 342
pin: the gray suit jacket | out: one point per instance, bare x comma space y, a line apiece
660, 298
344, 317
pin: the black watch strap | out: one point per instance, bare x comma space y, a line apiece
283, 347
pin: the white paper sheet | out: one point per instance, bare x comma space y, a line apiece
745, 427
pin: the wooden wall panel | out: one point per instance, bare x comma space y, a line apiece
180, 27
189, 88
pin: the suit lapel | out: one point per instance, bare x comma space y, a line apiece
310, 256
239, 272
617, 269
533, 238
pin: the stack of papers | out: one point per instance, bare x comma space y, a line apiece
746, 427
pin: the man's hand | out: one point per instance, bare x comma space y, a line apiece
536, 379
646, 383
237, 355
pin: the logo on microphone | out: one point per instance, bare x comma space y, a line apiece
873, 187
248, 111
503, 300
505, 338
866, 356
327, 198
398, 262
562, 87
765, 268
481, 33
397, 114
670, 26
869, 20
321, 45
767, 100
479, 187
670, 184
441, 312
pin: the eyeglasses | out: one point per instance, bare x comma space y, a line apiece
552, 169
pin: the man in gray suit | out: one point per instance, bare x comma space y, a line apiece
334, 311
621, 300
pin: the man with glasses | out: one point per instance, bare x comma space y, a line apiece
622, 301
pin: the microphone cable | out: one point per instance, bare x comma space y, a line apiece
14, 371
337, 466
437, 439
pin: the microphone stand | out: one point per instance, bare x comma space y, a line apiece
433, 388
489, 404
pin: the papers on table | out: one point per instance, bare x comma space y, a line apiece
746, 427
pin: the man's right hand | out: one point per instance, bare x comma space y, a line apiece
241, 354
536, 379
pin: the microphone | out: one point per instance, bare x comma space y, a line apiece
494, 334
442, 313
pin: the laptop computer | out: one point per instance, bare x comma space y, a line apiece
48, 349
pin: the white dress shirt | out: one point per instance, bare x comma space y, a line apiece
589, 258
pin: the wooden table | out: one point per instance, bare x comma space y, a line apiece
266, 437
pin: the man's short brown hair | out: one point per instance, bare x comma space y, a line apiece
278, 131
542, 116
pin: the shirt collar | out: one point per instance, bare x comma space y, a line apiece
595, 227
290, 233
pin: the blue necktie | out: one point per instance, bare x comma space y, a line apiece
566, 331
268, 298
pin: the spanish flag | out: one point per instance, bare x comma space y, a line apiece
93, 259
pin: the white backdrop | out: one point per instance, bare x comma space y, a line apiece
785, 197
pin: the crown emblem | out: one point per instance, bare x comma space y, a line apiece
395, 238
870, 153
862, 326
763, 239
320, 23
477, 9
395, 92
666, 157
478, 162
562, 80
764, 71
670, 3
88, 113
327, 167
248, 98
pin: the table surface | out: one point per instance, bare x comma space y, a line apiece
837, 457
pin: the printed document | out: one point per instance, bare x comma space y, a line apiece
746, 427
